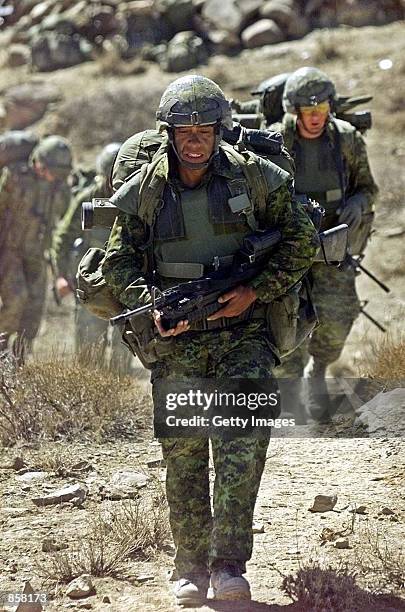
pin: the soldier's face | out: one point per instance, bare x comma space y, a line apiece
312, 119
195, 143
45, 173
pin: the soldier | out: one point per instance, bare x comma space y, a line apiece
182, 209
69, 245
33, 196
332, 168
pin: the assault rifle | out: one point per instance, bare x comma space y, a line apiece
196, 300
355, 263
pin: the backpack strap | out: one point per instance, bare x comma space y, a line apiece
257, 184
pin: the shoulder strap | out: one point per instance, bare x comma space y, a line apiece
289, 124
258, 186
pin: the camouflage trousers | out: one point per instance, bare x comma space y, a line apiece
90, 331
201, 539
23, 294
335, 297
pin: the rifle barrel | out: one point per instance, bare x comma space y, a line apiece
374, 278
370, 318
124, 316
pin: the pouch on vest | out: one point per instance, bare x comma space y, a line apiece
141, 338
92, 290
291, 318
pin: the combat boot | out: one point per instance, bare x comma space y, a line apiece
318, 401
291, 400
228, 583
191, 588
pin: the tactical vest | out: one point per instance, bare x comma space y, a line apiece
236, 196
335, 146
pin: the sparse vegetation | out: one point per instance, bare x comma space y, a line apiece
324, 589
65, 397
379, 562
137, 530
386, 362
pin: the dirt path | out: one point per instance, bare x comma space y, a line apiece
361, 472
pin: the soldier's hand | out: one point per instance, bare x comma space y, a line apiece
62, 287
237, 301
182, 326
351, 214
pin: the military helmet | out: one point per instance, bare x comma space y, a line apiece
54, 153
105, 159
307, 87
194, 100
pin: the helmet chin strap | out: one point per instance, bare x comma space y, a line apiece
197, 165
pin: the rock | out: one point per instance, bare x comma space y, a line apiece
55, 50
30, 476
262, 32
76, 492
342, 543
52, 545
18, 55
125, 484
25, 104
223, 41
145, 578
156, 463
177, 13
359, 510
258, 528
29, 606
383, 415
358, 13
323, 503
386, 511
280, 12
106, 599
184, 51
224, 15
80, 587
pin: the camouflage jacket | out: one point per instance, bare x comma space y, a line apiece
29, 210
70, 242
125, 266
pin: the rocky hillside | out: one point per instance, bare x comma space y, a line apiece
177, 34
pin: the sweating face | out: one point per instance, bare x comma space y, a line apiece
195, 143
312, 119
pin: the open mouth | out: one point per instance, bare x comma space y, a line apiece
193, 155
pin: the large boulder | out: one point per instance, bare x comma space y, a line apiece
262, 32
184, 51
230, 15
55, 50
178, 14
26, 104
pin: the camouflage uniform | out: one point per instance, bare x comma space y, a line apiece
29, 208
320, 175
68, 246
241, 349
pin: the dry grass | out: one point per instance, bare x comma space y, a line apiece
379, 563
67, 397
324, 589
385, 362
135, 531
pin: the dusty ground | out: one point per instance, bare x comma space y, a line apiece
360, 472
